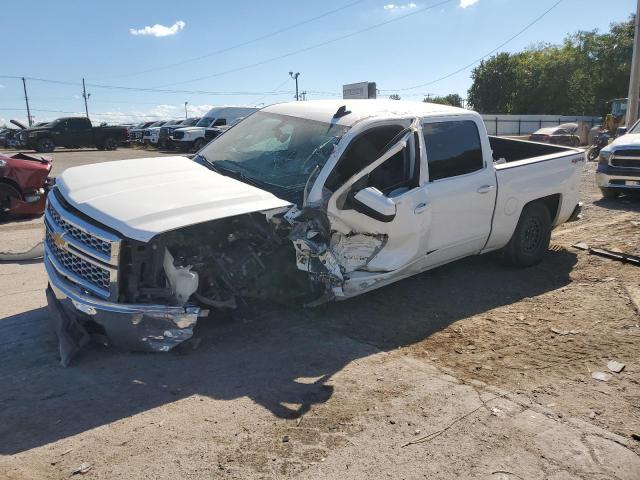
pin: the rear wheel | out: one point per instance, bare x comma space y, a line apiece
609, 192
592, 154
530, 241
45, 145
110, 143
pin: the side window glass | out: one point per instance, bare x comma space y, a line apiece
220, 122
362, 151
394, 176
453, 148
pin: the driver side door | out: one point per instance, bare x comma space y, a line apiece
379, 209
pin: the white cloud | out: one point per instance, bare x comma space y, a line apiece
467, 3
159, 30
403, 6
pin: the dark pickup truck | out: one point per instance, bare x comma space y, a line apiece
72, 132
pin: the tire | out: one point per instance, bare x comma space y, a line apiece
592, 154
530, 241
45, 145
198, 144
7, 192
110, 143
609, 192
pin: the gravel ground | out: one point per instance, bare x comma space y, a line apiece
473, 370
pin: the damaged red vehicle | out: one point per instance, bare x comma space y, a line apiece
24, 183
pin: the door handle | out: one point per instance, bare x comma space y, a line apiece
485, 188
421, 207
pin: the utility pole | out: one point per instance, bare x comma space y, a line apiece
303, 95
186, 115
26, 99
634, 81
85, 96
296, 75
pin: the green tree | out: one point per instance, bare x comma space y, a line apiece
577, 77
452, 99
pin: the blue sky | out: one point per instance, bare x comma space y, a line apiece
115, 43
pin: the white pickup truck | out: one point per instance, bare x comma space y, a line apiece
619, 165
208, 127
301, 202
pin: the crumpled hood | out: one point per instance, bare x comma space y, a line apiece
144, 197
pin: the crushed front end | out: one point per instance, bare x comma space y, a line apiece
82, 260
148, 296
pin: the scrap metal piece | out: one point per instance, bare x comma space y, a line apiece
32, 254
603, 252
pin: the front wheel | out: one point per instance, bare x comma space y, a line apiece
7, 195
198, 144
45, 145
530, 241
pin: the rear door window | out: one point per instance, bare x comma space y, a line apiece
453, 148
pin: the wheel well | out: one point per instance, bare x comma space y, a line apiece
11, 183
552, 202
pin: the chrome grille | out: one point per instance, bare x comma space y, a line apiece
94, 274
100, 246
83, 253
625, 161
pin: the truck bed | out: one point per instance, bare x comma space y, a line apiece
513, 150
532, 171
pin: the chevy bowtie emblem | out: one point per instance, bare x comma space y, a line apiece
59, 241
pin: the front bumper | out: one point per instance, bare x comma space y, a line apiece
77, 317
615, 177
182, 143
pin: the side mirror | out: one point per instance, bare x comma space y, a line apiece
372, 202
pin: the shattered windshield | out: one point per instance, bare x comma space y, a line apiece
276, 152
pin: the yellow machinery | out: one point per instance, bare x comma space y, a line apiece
617, 117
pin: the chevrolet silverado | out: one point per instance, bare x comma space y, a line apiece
303, 202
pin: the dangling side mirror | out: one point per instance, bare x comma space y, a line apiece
372, 202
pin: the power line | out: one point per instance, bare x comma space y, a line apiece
529, 25
144, 89
312, 47
256, 102
245, 43
112, 114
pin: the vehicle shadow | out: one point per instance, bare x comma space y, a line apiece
264, 358
628, 202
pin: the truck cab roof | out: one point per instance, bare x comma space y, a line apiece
356, 110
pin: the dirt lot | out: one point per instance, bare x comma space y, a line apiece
473, 370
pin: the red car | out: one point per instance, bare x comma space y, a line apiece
24, 183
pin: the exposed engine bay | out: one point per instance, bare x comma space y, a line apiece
287, 256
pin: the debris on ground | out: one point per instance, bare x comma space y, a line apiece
32, 254
613, 255
82, 469
564, 332
601, 376
615, 367
634, 295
